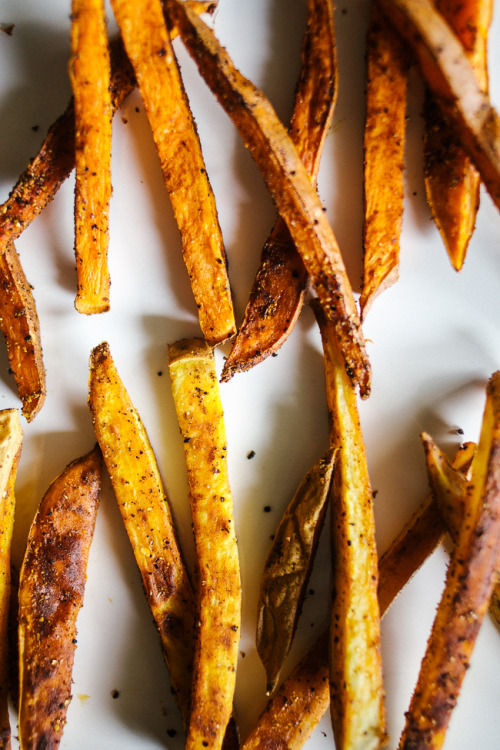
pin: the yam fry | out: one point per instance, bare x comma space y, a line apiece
51, 589
90, 75
303, 698
288, 566
144, 507
451, 180
279, 288
449, 74
218, 591
11, 439
469, 584
288, 182
148, 46
384, 142
356, 685
21, 330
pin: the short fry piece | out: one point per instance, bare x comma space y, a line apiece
11, 439
90, 76
278, 291
136, 480
357, 693
21, 330
287, 568
148, 46
469, 584
288, 182
51, 589
218, 592
384, 141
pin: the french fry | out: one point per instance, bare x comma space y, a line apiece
218, 591
139, 491
11, 439
288, 566
288, 182
451, 180
21, 330
148, 46
303, 698
468, 587
356, 684
384, 141
278, 291
51, 589
90, 75
451, 77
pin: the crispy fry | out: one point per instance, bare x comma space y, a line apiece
449, 74
288, 566
278, 291
148, 46
90, 76
288, 182
51, 589
218, 594
451, 180
21, 331
384, 142
136, 480
469, 584
356, 686
11, 439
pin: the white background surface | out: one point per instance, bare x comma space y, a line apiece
434, 340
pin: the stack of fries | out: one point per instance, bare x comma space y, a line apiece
164, 371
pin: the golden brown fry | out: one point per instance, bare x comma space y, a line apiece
148, 46
288, 182
469, 584
449, 74
11, 438
51, 589
218, 594
21, 331
278, 291
384, 142
356, 685
451, 180
136, 480
90, 76
288, 566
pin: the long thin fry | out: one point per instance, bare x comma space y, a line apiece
148, 46
288, 182
278, 291
90, 75
218, 594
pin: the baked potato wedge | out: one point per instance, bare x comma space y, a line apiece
51, 589
218, 589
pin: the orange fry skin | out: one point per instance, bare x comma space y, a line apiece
279, 288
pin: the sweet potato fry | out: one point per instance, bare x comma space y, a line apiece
449, 74
136, 480
278, 291
51, 589
288, 566
288, 182
148, 46
21, 331
218, 591
356, 685
384, 141
11, 438
468, 587
451, 180
90, 75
